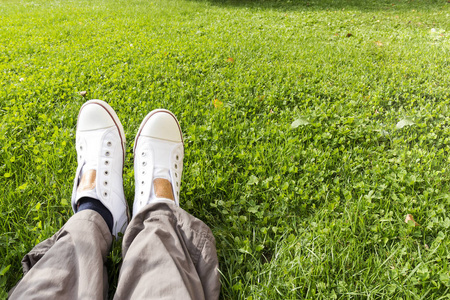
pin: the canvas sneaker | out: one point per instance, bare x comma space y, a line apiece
100, 145
158, 160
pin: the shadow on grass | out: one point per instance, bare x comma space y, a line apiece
354, 5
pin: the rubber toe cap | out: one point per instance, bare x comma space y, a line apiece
162, 125
94, 116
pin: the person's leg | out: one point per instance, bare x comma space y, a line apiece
168, 254
71, 264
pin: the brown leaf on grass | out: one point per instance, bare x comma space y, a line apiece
379, 43
217, 103
230, 59
410, 217
349, 34
83, 93
336, 34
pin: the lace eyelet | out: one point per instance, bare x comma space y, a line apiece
105, 194
106, 162
176, 157
105, 183
108, 144
143, 153
107, 153
144, 163
176, 166
106, 172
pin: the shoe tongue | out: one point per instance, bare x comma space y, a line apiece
161, 173
89, 165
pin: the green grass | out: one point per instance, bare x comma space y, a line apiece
289, 112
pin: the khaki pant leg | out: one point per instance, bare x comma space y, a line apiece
70, 264
168, 254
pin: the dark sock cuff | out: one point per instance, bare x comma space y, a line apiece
96, 205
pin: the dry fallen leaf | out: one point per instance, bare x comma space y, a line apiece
217, 103
410, 217
349, 34
230, 59
379, 43
83, 93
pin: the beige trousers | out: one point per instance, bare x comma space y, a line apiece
167, 254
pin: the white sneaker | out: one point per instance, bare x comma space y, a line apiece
100, 144
158, 154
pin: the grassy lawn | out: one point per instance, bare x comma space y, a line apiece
312, 128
